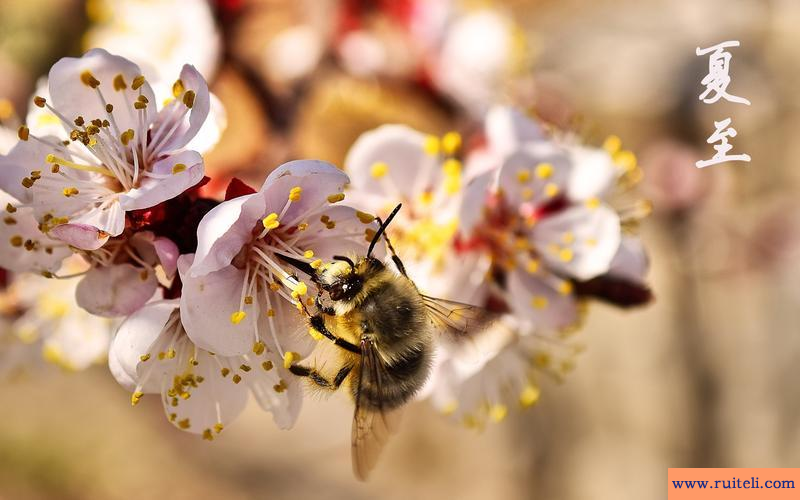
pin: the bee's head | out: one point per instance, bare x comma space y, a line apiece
344, 279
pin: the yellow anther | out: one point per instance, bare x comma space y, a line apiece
280, 387
237, 317
184, 424
529, 396
590, 242
270, 313
426, 197
178, 168
23, 133
612, 144
498, 412
171, 353
593, 203
6, 109
369, 234
565, 288
89, 80
316, 264
135, 397
539, 302
544, 170
432, 145
295, 193
274, 287
527, 193
236, 378
119, 82
271, 221
542, 360
109, 108
289, 358
139, 105
137, 82
335, 198
450, 407
10, 221
248, 299
551, 190
178, 88
27, 182
532, 266
207, 435
308, 254
143, 99
299, 290
451, 167
523, 175
302, 226
266, 365
451, 142
245, 368
259, 348
315, 334
225, 372
70, 191
39, 101
364, 217
379, 169
188, 98
218, 427
568, 237
10, 208
566, 254
626, 160
126, 137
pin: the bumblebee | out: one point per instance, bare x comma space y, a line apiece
385, 330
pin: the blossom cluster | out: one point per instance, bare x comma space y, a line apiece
103, 193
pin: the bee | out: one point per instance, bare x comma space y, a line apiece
385, 329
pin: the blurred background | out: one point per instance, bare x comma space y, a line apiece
702, 377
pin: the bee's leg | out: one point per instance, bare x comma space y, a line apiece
317, 378
319, 324
395, 258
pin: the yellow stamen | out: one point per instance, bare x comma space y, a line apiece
294, 193
432, 145
379, 169
335, 198
544, 170
539, 302
523, 175
119, 82
451, 142
237, 317
51, 158
529, 396
178, 168
178, 88
270, 221
498, 412
551, 190
289, 358
612, 144
364, 217
188, 98
137, 82
89, 80
315, 334
23, 133
308, 254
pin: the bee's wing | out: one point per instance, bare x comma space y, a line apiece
459, 320
371, 426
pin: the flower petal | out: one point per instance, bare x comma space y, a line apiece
183, 126
224, 230
579, 241
19, 227
153, 191
593, 173
507, 129
533, 175
73, 98
81, 236
116, 290
630, 262
317, 179
533, 299
399, 150
135, 338
278, 392
207, 303
23, 158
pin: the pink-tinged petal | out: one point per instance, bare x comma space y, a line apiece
153, 191
135, 338
397, 148
81, 236
284, 405
533, 175
507, 128
19, 227
23, 158
79, 340
209, 134
473, 205
224, 230
191, 121
631, 261
593, 173
580, 241
533, 299
116, 290
207, 303
317, 179
217, 400
72, 98
168, 254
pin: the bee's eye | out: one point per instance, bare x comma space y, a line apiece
345, 288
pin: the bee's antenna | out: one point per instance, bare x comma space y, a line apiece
382, 229
344, 259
